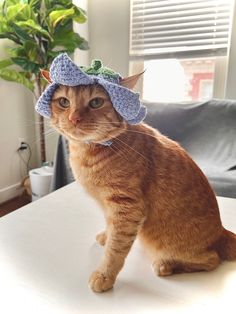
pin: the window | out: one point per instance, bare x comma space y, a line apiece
178, 79
182, 44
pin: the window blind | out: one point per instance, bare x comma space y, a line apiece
179, 26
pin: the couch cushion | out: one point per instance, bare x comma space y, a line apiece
207, 130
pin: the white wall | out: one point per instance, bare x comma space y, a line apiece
51, 138
109, 33
81, 57
16, 121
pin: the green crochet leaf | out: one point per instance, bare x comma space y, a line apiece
97, 68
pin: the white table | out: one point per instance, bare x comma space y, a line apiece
48, 250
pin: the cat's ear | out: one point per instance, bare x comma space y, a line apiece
45, 74
130, 81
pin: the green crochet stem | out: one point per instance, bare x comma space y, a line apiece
98, 68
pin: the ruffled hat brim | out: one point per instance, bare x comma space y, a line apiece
64, 72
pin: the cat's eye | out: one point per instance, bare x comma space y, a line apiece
64, 102
96, 103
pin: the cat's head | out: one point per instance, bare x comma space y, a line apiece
85, 112
89, 103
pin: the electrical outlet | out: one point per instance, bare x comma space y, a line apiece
20, 140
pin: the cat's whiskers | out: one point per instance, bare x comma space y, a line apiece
123, 153
127, 148
124, 149
28, 120
139, 132
51, 130
130, 147
37, 140
28, 123
119, 152
134, 131
99, 123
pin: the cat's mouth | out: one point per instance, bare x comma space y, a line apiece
80, 136
89, 133
80, 131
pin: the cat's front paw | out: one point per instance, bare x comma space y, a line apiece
100, 282
101, 238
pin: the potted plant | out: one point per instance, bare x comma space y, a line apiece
40, 30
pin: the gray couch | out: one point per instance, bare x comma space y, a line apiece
207, 130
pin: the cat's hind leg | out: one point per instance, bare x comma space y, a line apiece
162, 264
163, 268
206, 261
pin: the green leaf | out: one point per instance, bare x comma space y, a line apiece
16, 52
54, 54
34, 27
57, 16
67, 39
5, 63
23, 35
18, 77
33, 51
35, 4
20, 12
57, 4
84, 44
10, 36
27, 65
11, 2
3, 26
13, 10
29, 51
80, 15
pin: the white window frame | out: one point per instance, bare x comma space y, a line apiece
224, 75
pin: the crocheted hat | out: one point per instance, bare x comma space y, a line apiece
64, 72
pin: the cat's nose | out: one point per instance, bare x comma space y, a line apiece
75, 118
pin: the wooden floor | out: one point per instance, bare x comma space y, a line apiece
15, 203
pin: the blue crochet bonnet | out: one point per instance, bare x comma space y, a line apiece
64, 72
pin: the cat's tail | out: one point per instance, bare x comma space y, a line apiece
226, 246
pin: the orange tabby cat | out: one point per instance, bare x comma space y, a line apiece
147, 185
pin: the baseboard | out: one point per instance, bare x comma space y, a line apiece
10, 192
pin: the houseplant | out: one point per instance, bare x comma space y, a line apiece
40, 30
